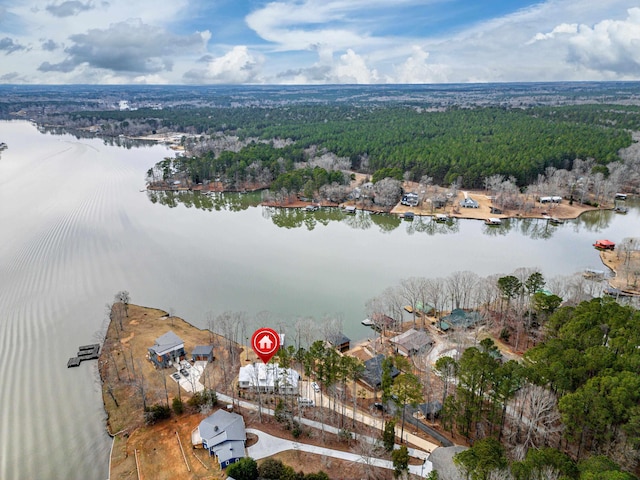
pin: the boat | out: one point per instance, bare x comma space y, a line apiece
408, 215
621, 196
621, 209
604, 245
367, 322
493, 221
441, 217
350, 210
555, 221
311, 208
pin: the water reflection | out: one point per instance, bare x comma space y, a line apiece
233, 202
535, 228
111, 141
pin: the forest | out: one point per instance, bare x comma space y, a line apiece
464, 145
568, 407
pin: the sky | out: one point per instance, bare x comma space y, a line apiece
317, 41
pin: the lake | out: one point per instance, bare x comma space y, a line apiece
76, 229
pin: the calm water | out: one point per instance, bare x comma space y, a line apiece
76, 229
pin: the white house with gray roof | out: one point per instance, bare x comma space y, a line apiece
269, 378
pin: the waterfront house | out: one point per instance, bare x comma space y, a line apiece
411, 342
459, 318
268, 378
202, 353
372, 375
223, 435
469, 202
339, 341
382, 322
167, 349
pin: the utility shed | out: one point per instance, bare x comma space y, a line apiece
202, 353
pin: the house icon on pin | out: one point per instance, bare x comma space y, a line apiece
265, 343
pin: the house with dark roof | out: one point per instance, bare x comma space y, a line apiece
339, 341
202, 353
372, 375
459, 318
382, 322
167, 349
223, 435
412, 342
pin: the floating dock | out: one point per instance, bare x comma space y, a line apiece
85, 352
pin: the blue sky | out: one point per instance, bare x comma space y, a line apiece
317, 41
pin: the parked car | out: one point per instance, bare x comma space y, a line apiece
315, 386
306, 402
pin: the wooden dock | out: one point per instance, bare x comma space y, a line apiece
85, 352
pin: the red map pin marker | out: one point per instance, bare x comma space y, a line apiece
265, 342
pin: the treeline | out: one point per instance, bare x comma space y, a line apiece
468, 143
577, 392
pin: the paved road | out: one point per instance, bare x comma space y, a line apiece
409, 418
268, 445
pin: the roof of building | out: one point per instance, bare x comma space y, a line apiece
266, 375
222, 427
460, 318
166, 343
412, 339
468, 201
372, 374
337, 339
202, 350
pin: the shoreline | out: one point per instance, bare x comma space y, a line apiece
559, 212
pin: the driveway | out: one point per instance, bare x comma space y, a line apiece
268, 445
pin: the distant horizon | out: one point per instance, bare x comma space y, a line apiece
318, 42
316, 85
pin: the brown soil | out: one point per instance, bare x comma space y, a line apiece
625, 267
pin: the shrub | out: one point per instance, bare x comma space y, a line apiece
155, 413
178, 406
206, 397
245, 469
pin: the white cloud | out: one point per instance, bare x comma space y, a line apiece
236, 66
563, 28
352, 68
610, 45
416, 69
